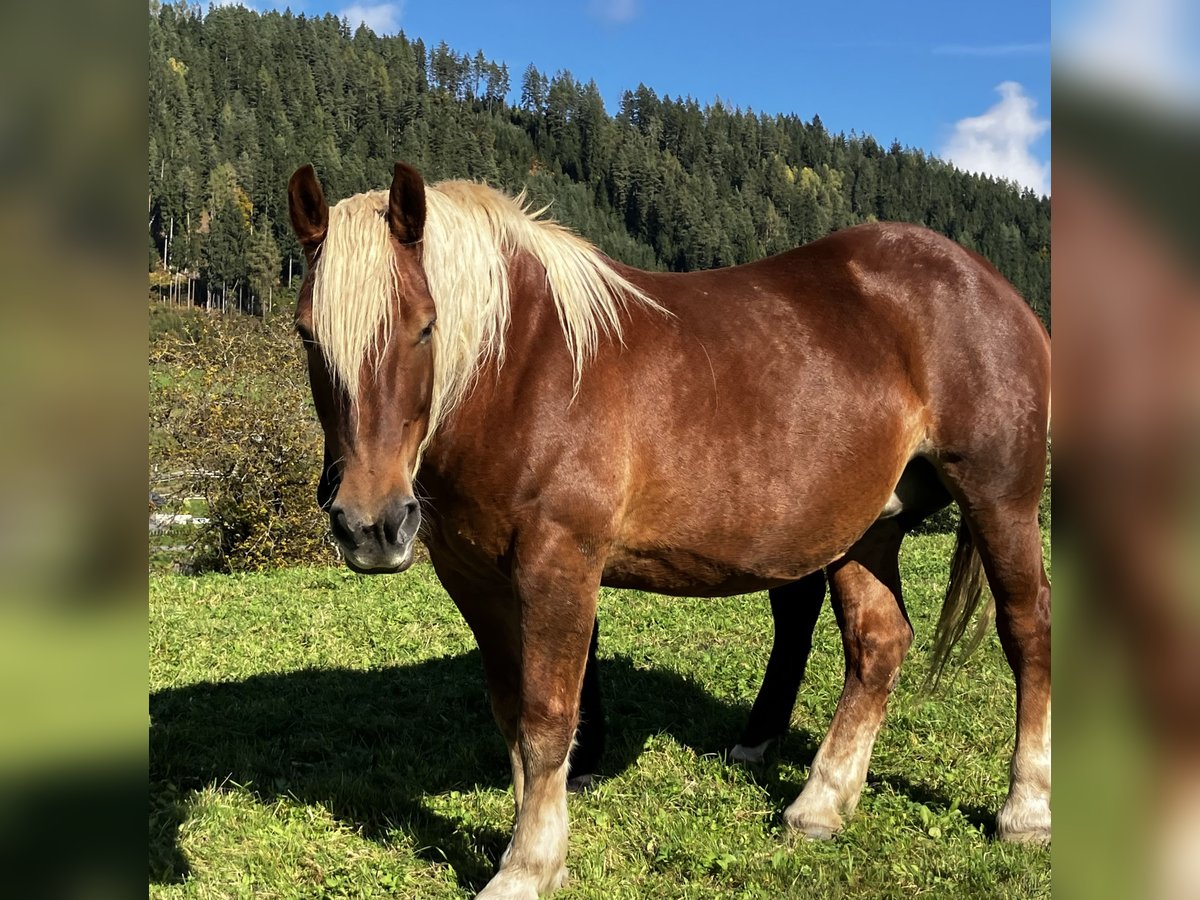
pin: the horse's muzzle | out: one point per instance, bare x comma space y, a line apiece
379, 544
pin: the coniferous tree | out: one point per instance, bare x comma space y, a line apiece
238, 99
263, 260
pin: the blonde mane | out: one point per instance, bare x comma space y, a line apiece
471, 232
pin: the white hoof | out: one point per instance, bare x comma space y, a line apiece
811, 824
1040, 836
558, 881
514, 884
750, 755
506, 887
1024, 823
817, 832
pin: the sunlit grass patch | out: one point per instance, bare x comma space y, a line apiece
316, 733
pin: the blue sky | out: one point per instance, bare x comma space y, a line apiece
968, 80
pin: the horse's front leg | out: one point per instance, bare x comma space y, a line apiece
795, 608
557, 591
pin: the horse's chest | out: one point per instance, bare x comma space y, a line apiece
469, 541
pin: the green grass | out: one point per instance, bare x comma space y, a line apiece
318, 734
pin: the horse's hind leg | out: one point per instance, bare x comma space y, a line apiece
589, 736
865, 590
1004, 523
794, 609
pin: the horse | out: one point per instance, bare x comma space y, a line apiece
570, 422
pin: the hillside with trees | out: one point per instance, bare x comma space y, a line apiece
239, 99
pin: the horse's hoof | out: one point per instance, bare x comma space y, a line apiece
817, 832
521, 886
580, 783
811, 828
1027, 823
560, 880
502, 888
1037, 836
750, 755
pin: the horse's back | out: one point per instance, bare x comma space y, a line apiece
877, 305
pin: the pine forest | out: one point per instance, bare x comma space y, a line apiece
239, 99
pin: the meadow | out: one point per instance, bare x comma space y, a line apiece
314, 733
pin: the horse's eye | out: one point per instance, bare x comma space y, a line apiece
426, 332
305, 334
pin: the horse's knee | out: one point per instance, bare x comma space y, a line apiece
547, 729
878, 654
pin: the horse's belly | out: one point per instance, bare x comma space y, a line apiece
664, 579
718, 514
700, 571
674, 540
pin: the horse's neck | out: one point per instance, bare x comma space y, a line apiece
496, 390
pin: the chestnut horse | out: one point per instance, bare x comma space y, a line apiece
572, 422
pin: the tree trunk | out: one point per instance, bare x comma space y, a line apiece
170, 240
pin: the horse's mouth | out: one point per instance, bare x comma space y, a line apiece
393, 565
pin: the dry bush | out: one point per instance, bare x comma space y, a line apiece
231, 421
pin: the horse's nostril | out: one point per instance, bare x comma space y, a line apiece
404, 517
339, 525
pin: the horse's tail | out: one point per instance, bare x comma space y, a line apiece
964, 594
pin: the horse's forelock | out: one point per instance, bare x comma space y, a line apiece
354, 286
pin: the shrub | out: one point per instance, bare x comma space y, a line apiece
944, 521
231, 421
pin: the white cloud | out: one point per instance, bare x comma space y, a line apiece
998, 143
381, 18
1145, 47
618, 12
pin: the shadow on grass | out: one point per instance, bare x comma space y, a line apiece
370, 745
979, 816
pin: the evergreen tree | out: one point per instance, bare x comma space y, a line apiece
238, 99
533, 90
263, 261
224, 255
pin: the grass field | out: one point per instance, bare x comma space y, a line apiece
319, 734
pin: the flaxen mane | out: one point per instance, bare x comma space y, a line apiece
471, 232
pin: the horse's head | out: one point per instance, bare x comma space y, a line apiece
370, 364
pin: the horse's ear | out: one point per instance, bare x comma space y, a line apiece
406, 204
310, 212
